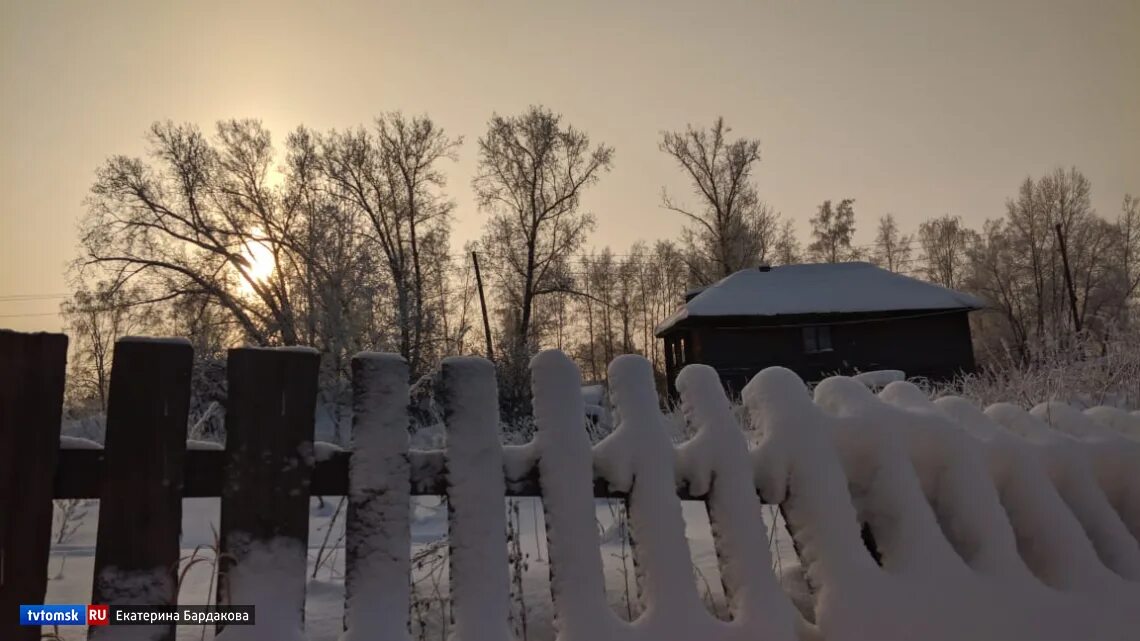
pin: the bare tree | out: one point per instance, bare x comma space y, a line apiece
945, 244
191, 221
1017, 265
96, 318
833, 229
892, 248
532, 172
392, 176
1128, 252
787, 246
994, 261
732, 228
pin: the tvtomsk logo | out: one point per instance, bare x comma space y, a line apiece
63, 615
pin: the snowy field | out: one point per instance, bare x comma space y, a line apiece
71, 565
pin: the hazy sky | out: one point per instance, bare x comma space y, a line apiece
912, 107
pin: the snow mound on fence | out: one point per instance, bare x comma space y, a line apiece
880, 378
951, 573
912, 518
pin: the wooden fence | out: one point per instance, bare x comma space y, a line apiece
264, 475
1045, 510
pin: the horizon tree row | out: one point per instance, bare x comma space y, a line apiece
342, 242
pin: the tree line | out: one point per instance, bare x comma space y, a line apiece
341, 241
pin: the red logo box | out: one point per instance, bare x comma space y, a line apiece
97, 615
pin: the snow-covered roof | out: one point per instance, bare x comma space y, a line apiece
826, 288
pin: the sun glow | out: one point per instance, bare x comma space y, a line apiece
260, 257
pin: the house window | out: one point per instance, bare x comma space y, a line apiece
679, 352
817, 339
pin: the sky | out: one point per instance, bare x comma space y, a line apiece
917, 108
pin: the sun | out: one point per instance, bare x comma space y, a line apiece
260, 257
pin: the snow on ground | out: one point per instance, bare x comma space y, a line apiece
78, 443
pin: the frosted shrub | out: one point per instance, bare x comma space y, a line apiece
1085, 373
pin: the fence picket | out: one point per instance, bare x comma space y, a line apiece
140, 508
565, 463
717, 464
31, 403
477, 522
377, 529
640, 454
265, 498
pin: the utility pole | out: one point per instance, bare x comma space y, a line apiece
483, 304
1068, 278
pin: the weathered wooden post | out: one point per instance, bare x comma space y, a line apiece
140, 506
717, 465
565, 463
31, 404
377, 529
476, 488
265, 496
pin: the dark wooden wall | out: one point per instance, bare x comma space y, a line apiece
933, 346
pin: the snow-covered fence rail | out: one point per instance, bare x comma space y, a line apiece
913, 519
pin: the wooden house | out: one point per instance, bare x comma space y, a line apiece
819, 320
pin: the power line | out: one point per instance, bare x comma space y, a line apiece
20, 298
29, 315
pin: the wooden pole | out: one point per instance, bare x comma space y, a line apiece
483, 305
1068, 278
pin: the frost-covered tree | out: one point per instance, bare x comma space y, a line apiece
892, 248
391, 175
533, 169
1017, 267
340, 243
945, 243
787, 247
833, 229
1127, 249
731, 227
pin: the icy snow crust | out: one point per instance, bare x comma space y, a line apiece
819, 288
